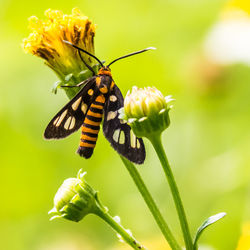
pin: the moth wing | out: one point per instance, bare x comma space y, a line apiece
71, 116
119, 134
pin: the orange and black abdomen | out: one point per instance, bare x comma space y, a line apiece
91, 127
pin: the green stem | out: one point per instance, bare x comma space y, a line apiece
151, 204
126, 235
157, 143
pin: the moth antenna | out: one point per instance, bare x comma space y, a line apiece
88, 66
131, 54
85, 51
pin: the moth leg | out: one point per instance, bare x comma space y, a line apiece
55, 86
74, 86
69, 86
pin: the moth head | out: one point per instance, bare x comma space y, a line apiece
104, 71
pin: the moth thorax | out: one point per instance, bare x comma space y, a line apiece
104, 71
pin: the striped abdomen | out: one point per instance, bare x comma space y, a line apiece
91, 127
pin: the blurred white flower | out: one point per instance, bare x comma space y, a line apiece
228, 41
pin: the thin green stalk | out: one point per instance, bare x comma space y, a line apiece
157, 144
126, 235
151, 204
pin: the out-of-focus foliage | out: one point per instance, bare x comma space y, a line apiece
208, 141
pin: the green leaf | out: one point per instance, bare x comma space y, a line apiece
206, 223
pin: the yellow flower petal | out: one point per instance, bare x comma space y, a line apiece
244, 242
46, 40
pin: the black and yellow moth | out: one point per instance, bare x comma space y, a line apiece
99, 99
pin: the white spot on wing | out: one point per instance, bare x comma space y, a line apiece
116, 135
111, 115
84, 107
76, 103
122, 137
138, 144
112, 98
67, 124
56, 120
62, 116
70, 123
132, 139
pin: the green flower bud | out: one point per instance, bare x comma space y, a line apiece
146, 111
75, 199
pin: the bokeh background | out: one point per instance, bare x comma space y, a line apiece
208, 142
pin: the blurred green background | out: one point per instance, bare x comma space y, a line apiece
207, 143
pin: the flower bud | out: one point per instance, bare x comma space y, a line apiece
146, 111
74, 199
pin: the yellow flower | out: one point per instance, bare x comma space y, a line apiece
237, 8
46, 41
244, 242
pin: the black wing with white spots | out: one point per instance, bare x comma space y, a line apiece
71, 116
119, 134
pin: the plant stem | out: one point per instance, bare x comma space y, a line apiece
126, 235
157, 144
151, 204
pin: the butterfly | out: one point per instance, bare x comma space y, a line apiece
99, 99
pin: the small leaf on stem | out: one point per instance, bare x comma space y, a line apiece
206, 223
